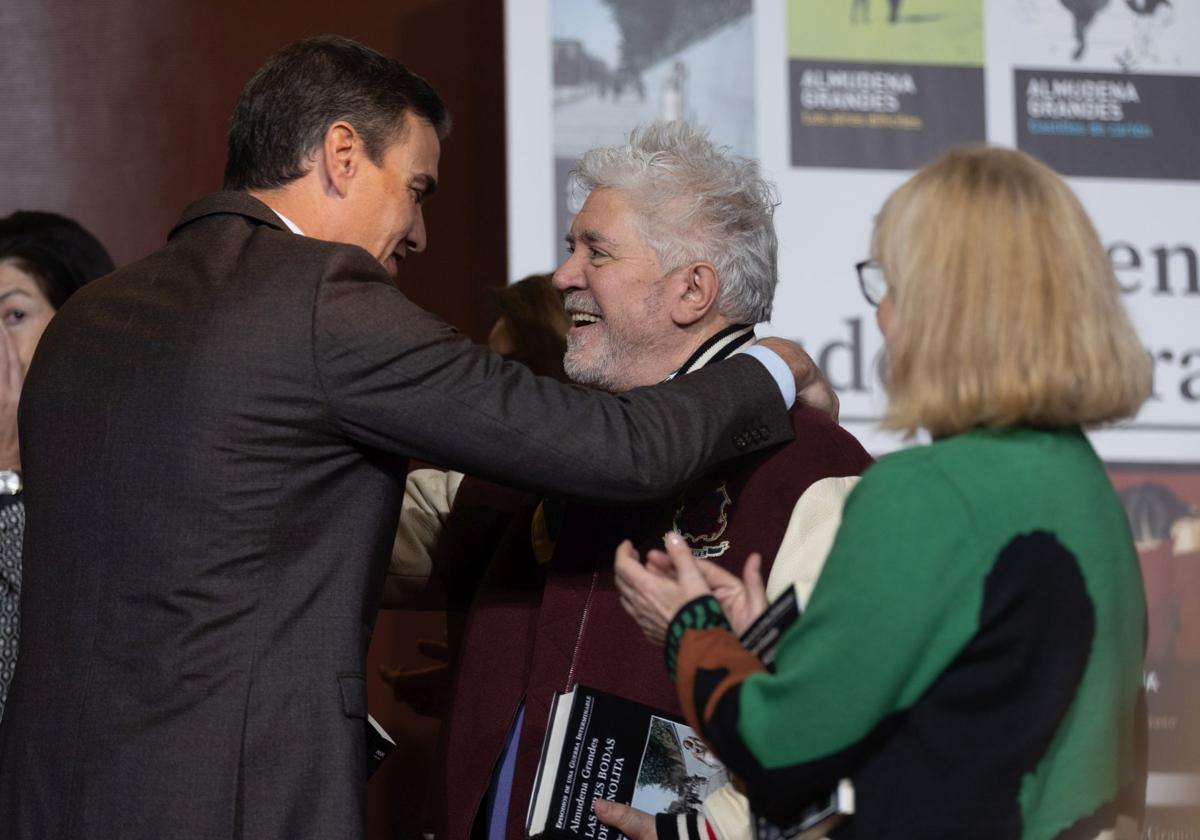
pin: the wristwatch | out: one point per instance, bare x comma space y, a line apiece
10, 483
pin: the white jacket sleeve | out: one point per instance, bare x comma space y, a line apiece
809, 536
428, 496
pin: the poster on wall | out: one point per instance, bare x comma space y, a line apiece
883, 85
618, 64
1108, 88
840, 100
1163, 506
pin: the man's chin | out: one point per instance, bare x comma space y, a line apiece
583, 371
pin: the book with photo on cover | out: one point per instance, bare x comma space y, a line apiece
601, 746
762, 639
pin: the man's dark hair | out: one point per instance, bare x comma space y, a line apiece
289, 104
55, 251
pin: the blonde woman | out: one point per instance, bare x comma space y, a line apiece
971, 655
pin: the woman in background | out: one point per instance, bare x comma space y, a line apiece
531, 326
44, 259
971, 656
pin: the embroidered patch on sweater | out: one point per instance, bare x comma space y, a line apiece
701, 519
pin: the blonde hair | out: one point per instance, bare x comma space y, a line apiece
1006, 310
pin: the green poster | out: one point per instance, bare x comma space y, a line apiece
891, 31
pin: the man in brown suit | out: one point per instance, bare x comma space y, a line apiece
216, 440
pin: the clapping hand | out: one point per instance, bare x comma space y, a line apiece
654, 593
742, 600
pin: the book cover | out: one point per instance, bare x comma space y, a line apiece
601, 746
379, 744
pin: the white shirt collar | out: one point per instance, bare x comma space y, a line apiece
292, 226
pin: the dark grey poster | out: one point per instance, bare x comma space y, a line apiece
1113, 125
881, 116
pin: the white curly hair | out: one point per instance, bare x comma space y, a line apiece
695, 200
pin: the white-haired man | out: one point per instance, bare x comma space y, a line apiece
672, 261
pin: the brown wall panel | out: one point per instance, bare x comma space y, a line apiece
458, 46
116, 113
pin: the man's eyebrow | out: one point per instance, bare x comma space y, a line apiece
589, 236
595, 237
427, 184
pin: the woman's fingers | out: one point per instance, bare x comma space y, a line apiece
756, 590
687, 573
715, 576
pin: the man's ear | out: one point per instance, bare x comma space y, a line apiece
696, 293
340, 155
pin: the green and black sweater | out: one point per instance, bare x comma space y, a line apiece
971, 656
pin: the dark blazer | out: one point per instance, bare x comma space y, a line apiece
214, 442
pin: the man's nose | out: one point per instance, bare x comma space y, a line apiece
568, 275
416, 236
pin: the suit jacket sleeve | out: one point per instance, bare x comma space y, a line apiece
400, 380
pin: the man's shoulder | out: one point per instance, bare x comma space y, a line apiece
233, 203
805, 416
820, 449
816, 433
225, 245
233, 222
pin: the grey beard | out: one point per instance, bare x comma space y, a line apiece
597, 374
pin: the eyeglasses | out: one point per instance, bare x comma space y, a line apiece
870, 280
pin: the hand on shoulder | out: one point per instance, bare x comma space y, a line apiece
812, 387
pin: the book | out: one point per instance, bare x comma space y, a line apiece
762, 639
601, 746
816, 822
379, 744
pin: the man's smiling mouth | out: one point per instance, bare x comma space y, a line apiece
583, 319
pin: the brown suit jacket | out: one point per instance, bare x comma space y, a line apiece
214, 442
